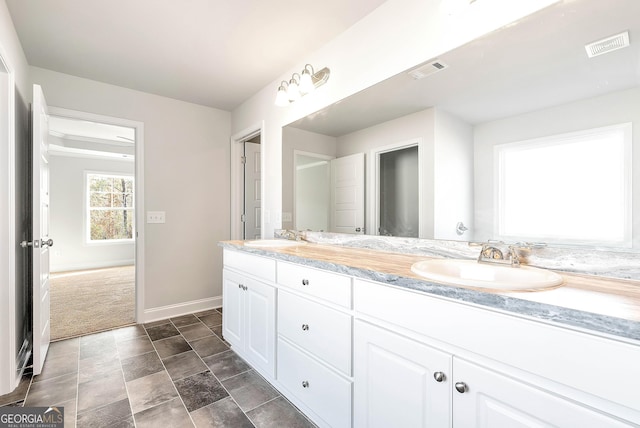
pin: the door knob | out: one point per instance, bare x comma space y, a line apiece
48, 242
439, 376
461, 387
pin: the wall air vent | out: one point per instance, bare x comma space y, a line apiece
608, 44
427, 69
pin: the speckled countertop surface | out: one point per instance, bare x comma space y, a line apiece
597, 304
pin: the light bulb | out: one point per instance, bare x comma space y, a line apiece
306, 82
282, 99
293, 91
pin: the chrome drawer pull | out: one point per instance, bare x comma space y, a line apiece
439, 376
305, 327
305, 384
305, 282
461, 387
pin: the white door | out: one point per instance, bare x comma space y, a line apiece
399, 382
41, 241
483, 398
347, 194
252, 182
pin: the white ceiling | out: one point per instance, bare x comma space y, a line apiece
211, 52
539, 62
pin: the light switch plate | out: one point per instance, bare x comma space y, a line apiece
155, 217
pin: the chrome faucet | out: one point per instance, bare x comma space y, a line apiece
291, 235
490, 253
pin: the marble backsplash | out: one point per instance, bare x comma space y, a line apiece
588, 261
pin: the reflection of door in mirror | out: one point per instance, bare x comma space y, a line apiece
311, 184
347, 194
252, 190
398, 192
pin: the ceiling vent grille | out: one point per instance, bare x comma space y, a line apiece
607, 45
427, 69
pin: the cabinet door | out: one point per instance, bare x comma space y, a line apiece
492, 400
233, 304
395, 381
260, 330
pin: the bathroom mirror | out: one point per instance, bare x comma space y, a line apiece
524, 83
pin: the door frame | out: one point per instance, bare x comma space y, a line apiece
8, 366
295, 183
374, 179
139, 191
237, 177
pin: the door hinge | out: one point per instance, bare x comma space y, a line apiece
243, 160
243, 218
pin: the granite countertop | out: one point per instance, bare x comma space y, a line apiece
608, 306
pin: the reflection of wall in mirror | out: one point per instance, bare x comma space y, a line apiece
446, 165
614, 108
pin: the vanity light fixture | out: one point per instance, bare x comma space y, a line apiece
301, 84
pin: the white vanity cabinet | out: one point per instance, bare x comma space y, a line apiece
421, 361
399, 382
249, 316
314, 342
487, 398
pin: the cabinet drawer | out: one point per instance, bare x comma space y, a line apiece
324, 332
325, 285
261, 267
323, 391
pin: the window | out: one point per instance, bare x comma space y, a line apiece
568, 188
110, 207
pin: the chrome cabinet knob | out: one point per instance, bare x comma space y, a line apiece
439, 376
305, 282
305, 327
461, 387
305, 384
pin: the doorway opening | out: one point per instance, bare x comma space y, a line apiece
397, 190
246, 184
312, 191
96, 219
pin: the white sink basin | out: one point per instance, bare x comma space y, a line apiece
273, 243
473, 274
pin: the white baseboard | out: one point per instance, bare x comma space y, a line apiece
92, 265
171, 311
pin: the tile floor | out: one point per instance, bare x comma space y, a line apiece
172, 373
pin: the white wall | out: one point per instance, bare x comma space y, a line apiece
68, 210
399, 35
453, 176
610, 109
186, 174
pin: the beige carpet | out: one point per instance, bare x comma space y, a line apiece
93, 300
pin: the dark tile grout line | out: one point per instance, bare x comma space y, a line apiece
168, 321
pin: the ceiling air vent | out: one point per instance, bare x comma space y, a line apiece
609, 44
427, 69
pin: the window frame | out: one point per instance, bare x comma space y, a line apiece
567, 138
87, 209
